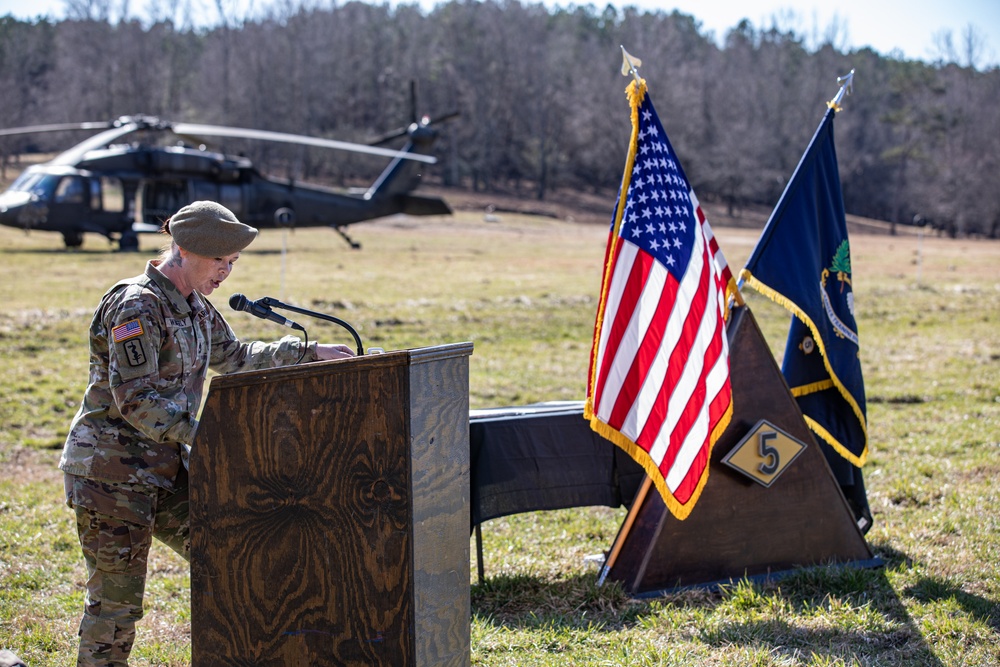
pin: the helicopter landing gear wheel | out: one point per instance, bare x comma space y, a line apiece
129, 242
73, 240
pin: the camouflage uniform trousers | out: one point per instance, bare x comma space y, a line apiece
116, 523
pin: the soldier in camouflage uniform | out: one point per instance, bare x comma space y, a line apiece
152, 340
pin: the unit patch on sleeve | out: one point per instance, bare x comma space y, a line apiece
133, 354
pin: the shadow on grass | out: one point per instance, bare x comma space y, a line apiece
732, 615
936, 589
933, 589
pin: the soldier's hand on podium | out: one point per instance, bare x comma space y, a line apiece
328, 351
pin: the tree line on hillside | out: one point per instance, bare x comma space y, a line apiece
540, 95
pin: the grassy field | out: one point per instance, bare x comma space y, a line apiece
524, 291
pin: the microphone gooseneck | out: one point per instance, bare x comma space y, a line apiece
263, 311
265, 304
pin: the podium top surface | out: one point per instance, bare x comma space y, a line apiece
409, 357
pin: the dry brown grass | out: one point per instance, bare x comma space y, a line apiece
522, 289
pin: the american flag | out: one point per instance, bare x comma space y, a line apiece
130, 329
659, 377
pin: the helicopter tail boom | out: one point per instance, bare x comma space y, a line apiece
417, 205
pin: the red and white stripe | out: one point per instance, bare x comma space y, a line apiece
662, 364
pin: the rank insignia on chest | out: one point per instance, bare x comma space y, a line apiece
129, 329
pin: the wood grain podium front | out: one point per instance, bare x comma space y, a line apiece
330, 514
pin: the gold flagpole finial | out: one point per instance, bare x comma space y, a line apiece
846, 84
630, 65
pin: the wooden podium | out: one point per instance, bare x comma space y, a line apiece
330, 514
742, 528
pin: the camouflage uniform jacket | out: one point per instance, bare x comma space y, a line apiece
150, 350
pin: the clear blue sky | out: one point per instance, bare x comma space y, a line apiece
906, 26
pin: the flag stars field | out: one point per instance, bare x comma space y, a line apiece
651, 176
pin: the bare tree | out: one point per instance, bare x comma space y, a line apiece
539, 91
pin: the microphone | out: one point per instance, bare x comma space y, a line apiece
257, 309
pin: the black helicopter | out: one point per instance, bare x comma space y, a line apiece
124, 181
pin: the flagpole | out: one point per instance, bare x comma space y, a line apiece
833, 106
630, 65
645, 125
633, 512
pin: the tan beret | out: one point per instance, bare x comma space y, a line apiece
210, 230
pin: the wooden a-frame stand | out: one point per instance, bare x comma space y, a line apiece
739, 527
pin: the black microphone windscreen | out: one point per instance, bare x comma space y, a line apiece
238, 302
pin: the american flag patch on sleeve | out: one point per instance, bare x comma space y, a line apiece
130, 329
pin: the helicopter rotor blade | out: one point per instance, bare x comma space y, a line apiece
266, 135
386, 138
442, 118
413, 101
114, 132
403, 131
55, 127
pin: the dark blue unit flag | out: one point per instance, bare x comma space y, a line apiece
803, 262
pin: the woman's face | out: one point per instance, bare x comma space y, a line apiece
205, 274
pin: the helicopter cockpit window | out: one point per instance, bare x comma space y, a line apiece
70, 190
39, 184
